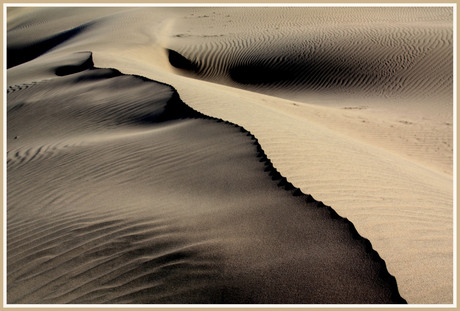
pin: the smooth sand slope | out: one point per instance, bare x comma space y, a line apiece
120, 193
351, 105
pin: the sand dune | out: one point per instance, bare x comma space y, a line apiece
352, 105
297, 53
141, 199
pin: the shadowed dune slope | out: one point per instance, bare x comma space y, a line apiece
399, 52
22, 54
32, 34
118, 192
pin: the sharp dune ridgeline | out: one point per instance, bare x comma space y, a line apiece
182, 155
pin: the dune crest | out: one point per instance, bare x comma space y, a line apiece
170, 236
351, 105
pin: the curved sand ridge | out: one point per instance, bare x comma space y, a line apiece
390, 55
382, 159
161, 204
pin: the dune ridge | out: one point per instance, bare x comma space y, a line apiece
379, 154
63, 252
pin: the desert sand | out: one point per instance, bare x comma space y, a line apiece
230, 155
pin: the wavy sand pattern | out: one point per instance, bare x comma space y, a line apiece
191, 189
302, 54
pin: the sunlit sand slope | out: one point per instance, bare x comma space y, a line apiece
352, 105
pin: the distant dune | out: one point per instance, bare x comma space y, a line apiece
182, 155
348, 50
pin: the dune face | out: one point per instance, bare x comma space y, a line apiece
120, 193
180, 175
322, 50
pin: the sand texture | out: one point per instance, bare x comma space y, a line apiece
182, 155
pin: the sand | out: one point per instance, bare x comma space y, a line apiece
124, 186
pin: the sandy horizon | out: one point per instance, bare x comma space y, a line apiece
230, 155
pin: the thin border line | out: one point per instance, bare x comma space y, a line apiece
454, 102
229, 4
4, 155
208, 306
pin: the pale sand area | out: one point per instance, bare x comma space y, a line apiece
369, 132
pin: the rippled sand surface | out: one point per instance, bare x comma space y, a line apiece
182, 155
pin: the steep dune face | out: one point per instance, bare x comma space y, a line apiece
351, 105
120, 193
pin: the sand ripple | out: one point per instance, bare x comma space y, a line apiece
119, 192
156, 203
393, 56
